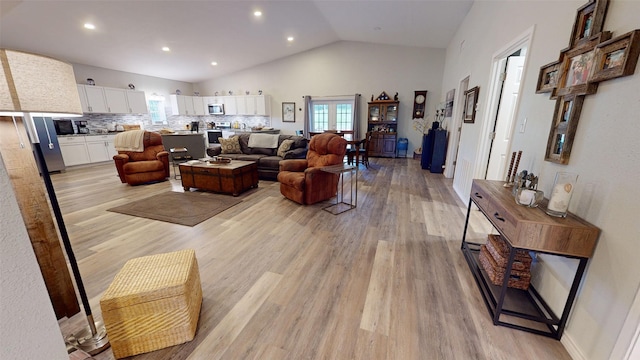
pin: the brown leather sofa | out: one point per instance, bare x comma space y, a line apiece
303, 181
152, 164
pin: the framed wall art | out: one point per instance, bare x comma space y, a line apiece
289, 112
616, 57
577, 65
563, 128
589, 21
548, 77
470, 104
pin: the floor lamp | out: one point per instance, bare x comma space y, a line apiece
32, 84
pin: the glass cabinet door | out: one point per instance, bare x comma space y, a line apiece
374, 113
392, 113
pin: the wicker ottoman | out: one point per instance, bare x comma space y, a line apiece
153, 302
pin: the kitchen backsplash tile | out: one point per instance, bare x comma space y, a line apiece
99, 122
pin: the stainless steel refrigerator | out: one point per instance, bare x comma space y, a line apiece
49, 143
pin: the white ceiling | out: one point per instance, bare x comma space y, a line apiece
129, 35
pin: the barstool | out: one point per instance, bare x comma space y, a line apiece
178, 156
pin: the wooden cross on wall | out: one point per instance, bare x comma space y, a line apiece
592, 57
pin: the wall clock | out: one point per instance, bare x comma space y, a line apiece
419, 101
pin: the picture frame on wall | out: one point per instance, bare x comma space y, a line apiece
589, 21
616, 57
289, 112
470, 104
577, 64
548, 77
563, 128
448, 107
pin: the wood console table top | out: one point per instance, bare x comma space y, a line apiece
531, 228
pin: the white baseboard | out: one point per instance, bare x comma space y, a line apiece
571, 347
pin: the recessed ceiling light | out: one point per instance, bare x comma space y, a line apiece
257, 13
89, 26
165, 48
214, 63
290, 38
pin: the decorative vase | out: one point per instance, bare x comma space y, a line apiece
561, 193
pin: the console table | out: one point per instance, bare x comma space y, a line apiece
532, 230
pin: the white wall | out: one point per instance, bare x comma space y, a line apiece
121, 80
28, 326
605, 154
344, 68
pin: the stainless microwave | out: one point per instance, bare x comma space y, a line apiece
216, 109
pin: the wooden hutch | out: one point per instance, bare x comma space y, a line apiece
383, 125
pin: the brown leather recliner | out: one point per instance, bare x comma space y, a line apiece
302, 181
150, 165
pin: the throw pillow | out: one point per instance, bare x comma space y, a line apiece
284, 147
230, 145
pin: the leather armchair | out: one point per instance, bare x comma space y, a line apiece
150, 165
303, 181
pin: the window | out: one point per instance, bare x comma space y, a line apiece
156, 110
331, 114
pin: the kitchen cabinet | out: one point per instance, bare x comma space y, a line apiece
74, 150
182, 105
104, 100
199, 106
92, 99
230, 107
383, 125
137, 102
116, 100
100, 147
258, 105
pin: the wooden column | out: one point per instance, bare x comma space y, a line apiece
36, 213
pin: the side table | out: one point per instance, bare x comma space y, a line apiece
341, 205
178, 156
532, 230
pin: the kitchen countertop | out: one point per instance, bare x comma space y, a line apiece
92, 134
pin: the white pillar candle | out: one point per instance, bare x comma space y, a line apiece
560, 197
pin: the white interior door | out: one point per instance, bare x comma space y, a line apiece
505, 119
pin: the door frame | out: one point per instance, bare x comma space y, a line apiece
504, 65
455, 131
493, 98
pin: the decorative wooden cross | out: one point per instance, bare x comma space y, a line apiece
592, 56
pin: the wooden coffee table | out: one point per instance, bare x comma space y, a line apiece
233, 178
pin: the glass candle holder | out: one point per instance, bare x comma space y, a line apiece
561, 193
529, 197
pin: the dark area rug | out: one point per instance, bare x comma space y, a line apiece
179, 208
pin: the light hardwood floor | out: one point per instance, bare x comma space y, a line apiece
282, 281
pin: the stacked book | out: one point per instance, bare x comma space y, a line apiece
494, 256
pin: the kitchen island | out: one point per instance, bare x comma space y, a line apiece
193, 142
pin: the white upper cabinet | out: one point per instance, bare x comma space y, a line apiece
181, 105
247, 105
199, 106
137, 102
230, 107
116, 101
94, 99
258, 105
104, 100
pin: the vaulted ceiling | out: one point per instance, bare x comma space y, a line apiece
129, 35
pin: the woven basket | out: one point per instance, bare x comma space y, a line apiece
517, 279
500, 252
153, 302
